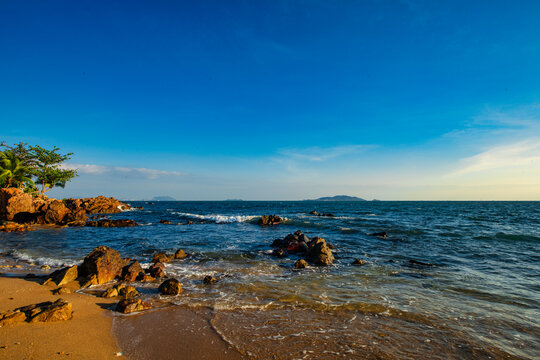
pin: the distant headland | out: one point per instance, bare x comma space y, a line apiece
338, 198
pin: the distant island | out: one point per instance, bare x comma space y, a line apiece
163, 198
338, 198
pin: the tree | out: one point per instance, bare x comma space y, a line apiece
13, 173
48, 168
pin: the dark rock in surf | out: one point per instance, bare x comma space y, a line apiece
131, 272
111, 223
166, 222
132, 305
300, 264
157, 270
419, 263
170, 287
358, 262
162, 258
180, 254
208, 279
269, 220
381, 234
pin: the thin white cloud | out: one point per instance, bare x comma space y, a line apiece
524, 154
322, 154
93, 169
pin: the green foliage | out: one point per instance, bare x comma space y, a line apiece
48, 168
20, 163
13, 173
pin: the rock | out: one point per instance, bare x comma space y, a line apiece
314, 213
56, 211
208, 279
88, 281
65, 275
103, 262
189, 222
48, 311
113, 291
62, 291
269, 220
358, 262
131, 271
419, 263
166, 222
157, 270
14, 227
300, 264
180, 254
101, 205
319, 252
170, 287
327, 215
127, 306
14, 201
293, 243
162, 258
111, 223
44, 267
11, 318
145, 278
381, 234
128, 292
278, 252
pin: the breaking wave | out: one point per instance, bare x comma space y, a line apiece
219, 218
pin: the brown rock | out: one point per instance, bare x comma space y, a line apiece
103, 262
65, 275
180, 254
166, 222
62, 291
319, 252
161, 257
56, 212
170, 287
102, 205
11, 318
145, 278
14, 201
358, 262
128, 292
300, 264
111, 223
113, 291
208, 279
88, 281
269, 220
48, 311
14, 227
131, 271
157, 270
127, 306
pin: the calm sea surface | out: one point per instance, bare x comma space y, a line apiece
480, 299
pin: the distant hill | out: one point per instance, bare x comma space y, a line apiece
163, 198
339, 198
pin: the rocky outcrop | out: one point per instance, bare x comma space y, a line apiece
315, 250
14, 201
98, 205
132, 305
170, 287
15, 227
111, 223
270, 220
103, 262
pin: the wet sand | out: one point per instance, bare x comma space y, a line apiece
86, 336
174, 333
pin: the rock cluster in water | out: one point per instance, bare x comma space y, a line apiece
17, 207
270, 220
316, 250
315, 213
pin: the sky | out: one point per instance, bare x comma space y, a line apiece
278, 100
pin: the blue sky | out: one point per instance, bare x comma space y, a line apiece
279, 99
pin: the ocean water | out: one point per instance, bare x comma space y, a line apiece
479, 299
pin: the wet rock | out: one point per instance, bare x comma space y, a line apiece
128, 292
157, 270
111, 223
208, 279
189, 223
64, 276
293, 243
44, 267
300, 264
131, 271
270, 220
48, 311
419, 263
319, 253
381, 234
14, 227
314, 213
103, 262
127, 306
145, 278
180, 254
170, 287
162, 258
358, 262
88, 281
278, 252
9, 318
166, 222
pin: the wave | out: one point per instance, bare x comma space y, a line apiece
219, 218
40, 260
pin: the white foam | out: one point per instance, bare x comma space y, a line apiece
41, 260
219, 218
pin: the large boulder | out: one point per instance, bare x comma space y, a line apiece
56, 211
104, 262
11, 318
65, 275
14, 201
131, 272
319, 252
102, 204
170, 287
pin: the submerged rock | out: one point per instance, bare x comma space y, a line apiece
127, 306
15, 227
358, 262
170, 287
111, 223
419, 263
381, 234
270, 220
166, 222
300, 264
209, 279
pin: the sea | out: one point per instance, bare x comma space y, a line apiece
452, 280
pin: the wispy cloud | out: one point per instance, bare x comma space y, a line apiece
521, 154
93, 169
323, 154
